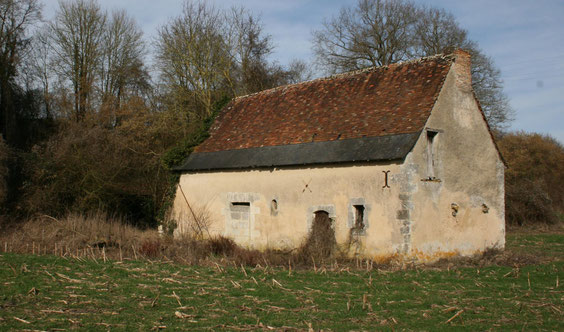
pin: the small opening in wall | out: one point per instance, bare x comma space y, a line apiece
244, 207
359, 224
431, 155
273, 207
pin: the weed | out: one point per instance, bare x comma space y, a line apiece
221, 245
320, 243
150, 248
99, 236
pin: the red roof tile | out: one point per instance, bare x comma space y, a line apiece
395, 99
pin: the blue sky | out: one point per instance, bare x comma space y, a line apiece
525, 38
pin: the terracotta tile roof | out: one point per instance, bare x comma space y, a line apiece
395, 99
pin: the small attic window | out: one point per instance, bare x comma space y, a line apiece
431, 154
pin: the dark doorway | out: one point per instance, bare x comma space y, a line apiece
321, 221
321, 240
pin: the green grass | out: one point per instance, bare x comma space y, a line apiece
541, 245
52, 293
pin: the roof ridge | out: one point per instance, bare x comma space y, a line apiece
450, 56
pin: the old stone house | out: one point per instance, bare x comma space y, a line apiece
399, 157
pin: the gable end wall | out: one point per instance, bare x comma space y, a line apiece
461, 211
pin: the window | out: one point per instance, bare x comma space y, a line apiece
431, 154
274, 207
240, 211
240, 220
359, 225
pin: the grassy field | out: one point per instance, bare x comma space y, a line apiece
54, 293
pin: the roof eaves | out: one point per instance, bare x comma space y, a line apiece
489, 130
366, 149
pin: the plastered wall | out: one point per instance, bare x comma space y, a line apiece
461, 211
299, 193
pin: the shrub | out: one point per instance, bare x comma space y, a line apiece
4, 170
534, 180
150, 248
320, 243
221, 245
89, 166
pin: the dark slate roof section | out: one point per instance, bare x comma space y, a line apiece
380, 148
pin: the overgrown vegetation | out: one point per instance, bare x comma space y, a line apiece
534, 179
86, 126
48, 293
4, 170
100, 236
320, 244
175, 155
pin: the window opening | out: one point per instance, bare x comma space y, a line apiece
274, 207
240, 211
240, 220
358, 218
431, 154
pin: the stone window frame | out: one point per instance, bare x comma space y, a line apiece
353, 202
329, 208
431, 154
241, 197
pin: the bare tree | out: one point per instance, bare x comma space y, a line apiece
192, 54
15, 18
206, 53
249, 50
436, 31
39, 69
374, 33
488, 86
121, 70
77, 38
380, 32
299, 71
122, 52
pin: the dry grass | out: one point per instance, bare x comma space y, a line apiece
102, 237
97, 236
